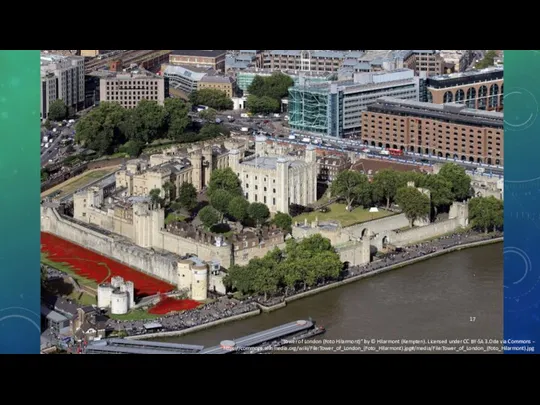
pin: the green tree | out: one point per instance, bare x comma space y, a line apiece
461, 182
209, 115
351, 186
209, 216
385, 184
103, 128
487, 61
147, 122
168, 188
441, 191
47, 124
275, 86
213, 98
177, 118
211, 131
238, 208
283, 221
224, 179
262, 105
257, 86
220, 200
187, 196
155, 197
58, 110
132, 148
486, 213
259, 213
414, 204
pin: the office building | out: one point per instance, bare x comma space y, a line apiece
335, 109
214, 59
128, 89
447, 130
477, 89
226, 84
62, 77
185, 78
429, 62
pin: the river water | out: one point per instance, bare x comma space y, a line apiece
454, 296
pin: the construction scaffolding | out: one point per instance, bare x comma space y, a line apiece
309, 108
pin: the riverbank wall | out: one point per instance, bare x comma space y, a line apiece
318, 290
197, 328
385, 269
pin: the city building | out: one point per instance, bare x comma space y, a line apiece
456, 61
335, 109
62, 77
276, 180
127, 89
370, 167
185, 78
477, 89
226, 84
324, 61
245, 77
447, 130
329, 166
214, 59
429, 62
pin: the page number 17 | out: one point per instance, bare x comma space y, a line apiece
472, 318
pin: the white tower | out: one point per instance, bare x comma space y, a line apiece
234, 159
260, 146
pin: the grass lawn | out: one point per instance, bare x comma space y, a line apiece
174, 217
339, 213
72, 185
66, 268
136, 315
83, 298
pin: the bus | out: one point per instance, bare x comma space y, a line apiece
395, 152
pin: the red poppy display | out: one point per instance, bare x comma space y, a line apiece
99, 268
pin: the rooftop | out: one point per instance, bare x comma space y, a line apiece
202, 53
470, 73
269, 162
216, 79
191, 72
450, 111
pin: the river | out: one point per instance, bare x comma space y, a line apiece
454, 296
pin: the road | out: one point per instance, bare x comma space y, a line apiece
272, 125
54, 148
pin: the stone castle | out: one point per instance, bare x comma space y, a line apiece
118, 220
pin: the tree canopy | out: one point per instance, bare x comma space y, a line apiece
238, 208
258, 212
187, 196
458, 178
58, 110
283, 221
224, 179
414, 204
212, 98
385, 185
486, 213
487, 61
352, 186
109, 126
209, 216
303, 263
266, 92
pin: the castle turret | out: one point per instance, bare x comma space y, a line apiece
234, 159
207, 163
311, 154
260, 145
282, 200
197, 172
